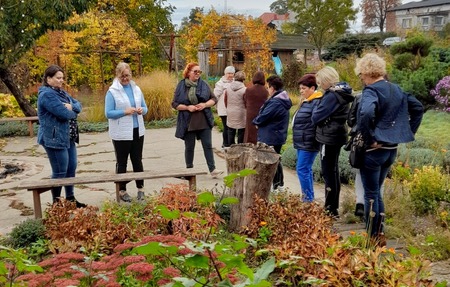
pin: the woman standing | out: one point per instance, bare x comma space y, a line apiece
272, 123
304, 135
193, 99
254, 98
219, 90
58, 129
234, 101
330, 117
386, 117
124, 108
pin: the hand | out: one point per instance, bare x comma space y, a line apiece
130, 111
376, 145
68, 106
139, 111
200, 106
192, 108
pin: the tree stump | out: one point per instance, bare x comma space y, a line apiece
261, 158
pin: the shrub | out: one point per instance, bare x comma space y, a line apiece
442, 93
26, 233
293, 72
158, 88
415, 158
428, 188
9, 107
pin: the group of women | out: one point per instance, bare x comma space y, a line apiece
384, 115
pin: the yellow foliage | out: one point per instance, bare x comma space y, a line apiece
158, 88
250, 36
9, 108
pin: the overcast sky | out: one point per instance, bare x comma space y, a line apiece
247, 7
253, 7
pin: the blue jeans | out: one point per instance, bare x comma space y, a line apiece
376, 167
305, 160
64, 164
205, 136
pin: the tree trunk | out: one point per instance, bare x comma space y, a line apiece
261, 158
7, 77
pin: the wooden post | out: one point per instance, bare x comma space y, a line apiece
261, 158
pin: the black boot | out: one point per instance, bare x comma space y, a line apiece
359, 210
77, 203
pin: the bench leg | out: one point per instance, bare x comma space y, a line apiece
30, 128
192, 182
117, 191
37, 204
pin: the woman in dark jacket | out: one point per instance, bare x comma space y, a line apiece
330, 117
254, 98
386, 117
272, 122
304, 135
193, 99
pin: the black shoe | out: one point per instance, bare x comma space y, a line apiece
359, 210
77, 203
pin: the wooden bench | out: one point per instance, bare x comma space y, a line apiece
41, 186
29, 120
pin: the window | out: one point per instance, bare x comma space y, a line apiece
439, 21
406, 23
425, 21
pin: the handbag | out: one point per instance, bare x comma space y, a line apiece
357, 151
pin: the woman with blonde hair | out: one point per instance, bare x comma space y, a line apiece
330, 117
125, 107
386, 116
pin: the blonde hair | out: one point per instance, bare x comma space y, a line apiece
371, 65
122, 66
327, 77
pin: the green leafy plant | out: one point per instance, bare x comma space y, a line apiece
14, 263
26, 233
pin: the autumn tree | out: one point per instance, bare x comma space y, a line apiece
280, 7
21, 24
374, 12
246, 34
193, 17
322, 20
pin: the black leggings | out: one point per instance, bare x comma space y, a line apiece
134, 149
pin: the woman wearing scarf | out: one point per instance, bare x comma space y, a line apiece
193, 99
304, 135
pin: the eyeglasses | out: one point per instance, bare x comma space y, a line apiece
127, 76
197, 72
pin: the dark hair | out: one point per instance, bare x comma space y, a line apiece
50, 72
308, 80
275, 82
258, 78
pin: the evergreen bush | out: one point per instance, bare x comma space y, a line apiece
26, 233
292, 73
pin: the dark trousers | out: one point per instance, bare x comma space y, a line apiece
376, 167
232, 135
225, 141
205, 136
278, 179
132, 148
329, 161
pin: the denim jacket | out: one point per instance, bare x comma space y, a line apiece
388, 115
54, 117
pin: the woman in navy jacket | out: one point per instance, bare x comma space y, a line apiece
304, 135
58, 129
273, 121
386, 117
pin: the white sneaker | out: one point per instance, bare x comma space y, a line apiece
215, 173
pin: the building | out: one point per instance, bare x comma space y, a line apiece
427, 15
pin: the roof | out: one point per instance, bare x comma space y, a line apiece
268, 17
420, 4
291, 42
